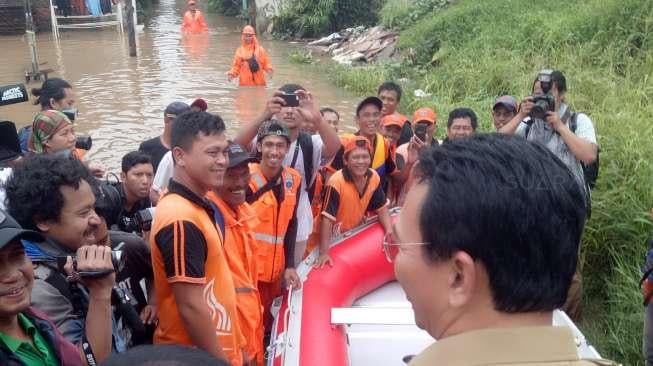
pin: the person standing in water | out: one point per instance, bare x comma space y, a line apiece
193, 22
250, 61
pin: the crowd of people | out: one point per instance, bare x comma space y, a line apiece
198, 233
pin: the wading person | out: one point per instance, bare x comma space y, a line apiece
240, 221
193, 283
251, 61
273, 193
52, 195
546, 118
193, 22
488, 283
349, 195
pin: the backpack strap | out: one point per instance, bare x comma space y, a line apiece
268, 186
305, 142
54, 278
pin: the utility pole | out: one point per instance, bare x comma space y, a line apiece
30, 36
131, 28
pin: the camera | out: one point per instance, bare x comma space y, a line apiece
11, 94
142, 221
420, 131
117, 259
84, 143
291, 100
543, 103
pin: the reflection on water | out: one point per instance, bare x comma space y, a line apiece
121, 99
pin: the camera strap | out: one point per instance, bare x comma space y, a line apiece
88, 352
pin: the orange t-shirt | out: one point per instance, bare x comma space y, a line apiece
188, 247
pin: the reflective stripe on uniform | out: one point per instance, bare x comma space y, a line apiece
258, 179
271, 239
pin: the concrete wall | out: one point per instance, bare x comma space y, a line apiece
265, 11
12, 16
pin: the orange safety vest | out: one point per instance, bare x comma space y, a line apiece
219, 293
240, 249
274, 219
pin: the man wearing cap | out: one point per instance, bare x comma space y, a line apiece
240, 221
424, 126
350, 194
503, 110
27, 336
306, 153
158, 146
52, 194
193, 22
273, 193
391, 126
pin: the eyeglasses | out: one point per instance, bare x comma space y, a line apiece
391, 249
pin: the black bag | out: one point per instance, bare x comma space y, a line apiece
253, 63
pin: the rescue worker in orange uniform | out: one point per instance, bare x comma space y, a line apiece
350, 193
193, 22
273, 192
240, 247
251, 60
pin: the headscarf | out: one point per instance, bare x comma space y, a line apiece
46, 124
245, 47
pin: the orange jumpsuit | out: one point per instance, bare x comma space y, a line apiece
240, 250
194, 23
240, 66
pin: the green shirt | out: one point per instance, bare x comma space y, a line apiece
36, 353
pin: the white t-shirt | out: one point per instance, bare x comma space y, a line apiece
163, 173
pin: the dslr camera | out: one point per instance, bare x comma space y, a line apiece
117, 259
544, 102
142, 221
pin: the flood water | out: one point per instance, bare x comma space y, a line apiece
121, 99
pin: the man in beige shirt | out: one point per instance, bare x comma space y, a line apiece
485, 248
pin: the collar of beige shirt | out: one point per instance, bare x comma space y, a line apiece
502, 346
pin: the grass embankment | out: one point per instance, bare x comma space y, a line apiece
473, 51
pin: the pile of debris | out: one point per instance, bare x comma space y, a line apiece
358, 45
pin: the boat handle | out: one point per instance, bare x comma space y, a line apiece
286, 319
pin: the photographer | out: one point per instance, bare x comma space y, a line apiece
52, 195
27, 336
133, 296
547, 119
574, 145
136, 176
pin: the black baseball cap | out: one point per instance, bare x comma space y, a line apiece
10, 231
369, 100
176, 108
238, 155
9, 144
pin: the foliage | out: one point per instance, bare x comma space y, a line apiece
298, 56
400, 14
474, 51
301, 18
225, 7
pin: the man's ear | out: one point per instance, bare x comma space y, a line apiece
43, 225
178, 155
259, 147
463, 279
123, 176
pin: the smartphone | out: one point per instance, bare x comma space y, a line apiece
420, 131
291, 100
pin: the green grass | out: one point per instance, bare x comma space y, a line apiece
474, 51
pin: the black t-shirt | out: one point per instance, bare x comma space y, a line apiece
155, 149
138, 265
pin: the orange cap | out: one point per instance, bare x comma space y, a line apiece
425, 114
392, 120
357, 141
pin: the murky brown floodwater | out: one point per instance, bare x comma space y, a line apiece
121, 99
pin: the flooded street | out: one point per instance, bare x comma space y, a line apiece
121, 98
